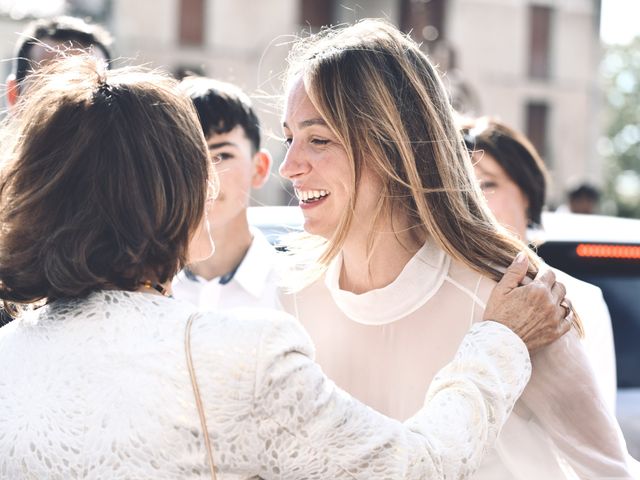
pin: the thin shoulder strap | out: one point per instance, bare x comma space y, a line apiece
196, 393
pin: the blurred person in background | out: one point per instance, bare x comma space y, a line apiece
103, 189
241, 270
583, 198
513, 179
44, 39
409, 252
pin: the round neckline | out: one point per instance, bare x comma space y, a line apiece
418, 281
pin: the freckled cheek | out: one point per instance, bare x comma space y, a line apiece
315, 157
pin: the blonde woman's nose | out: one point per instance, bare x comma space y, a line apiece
293, 164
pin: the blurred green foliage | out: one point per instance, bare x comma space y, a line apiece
621, 144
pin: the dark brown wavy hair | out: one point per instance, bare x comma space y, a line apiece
103, 183
515, 154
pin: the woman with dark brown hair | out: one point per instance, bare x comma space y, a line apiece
102, 199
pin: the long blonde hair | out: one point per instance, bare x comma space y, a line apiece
385, 102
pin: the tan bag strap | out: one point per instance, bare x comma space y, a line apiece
196, 393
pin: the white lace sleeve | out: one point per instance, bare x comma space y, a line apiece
565, 399
309, 428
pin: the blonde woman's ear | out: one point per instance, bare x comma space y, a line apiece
261, 168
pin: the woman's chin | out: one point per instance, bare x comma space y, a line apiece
318, 230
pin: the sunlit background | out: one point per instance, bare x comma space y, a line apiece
565, 72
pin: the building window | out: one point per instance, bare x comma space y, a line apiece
192, 19
539, 41
316, 13
536, 127
425, 19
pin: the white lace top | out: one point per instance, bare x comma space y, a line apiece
98, 388
384, 347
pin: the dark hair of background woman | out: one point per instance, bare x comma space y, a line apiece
103, 183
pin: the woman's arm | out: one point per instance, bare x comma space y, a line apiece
309, 428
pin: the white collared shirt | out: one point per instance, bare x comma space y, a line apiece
253, 284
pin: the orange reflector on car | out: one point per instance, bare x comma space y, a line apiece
593, 250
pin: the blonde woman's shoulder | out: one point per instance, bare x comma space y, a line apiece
476, 285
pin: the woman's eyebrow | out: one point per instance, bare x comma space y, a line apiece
308, 123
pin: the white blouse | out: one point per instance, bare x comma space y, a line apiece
384, 347
98, 388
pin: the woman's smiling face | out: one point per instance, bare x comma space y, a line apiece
319, 168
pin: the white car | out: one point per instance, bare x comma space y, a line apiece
604, 251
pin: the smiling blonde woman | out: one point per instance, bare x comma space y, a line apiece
411, 252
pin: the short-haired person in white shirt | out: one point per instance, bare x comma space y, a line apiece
241, 270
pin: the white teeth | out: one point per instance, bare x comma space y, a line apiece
307, 195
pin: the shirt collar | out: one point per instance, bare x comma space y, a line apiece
420, 279
254, 271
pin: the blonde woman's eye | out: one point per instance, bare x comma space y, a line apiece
287, 142
319, 141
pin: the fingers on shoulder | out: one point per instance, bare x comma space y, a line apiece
538, 292
559, 292
546, 276
566, 322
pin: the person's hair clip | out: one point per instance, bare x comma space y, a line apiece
105, 92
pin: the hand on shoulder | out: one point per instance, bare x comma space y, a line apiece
537, 312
